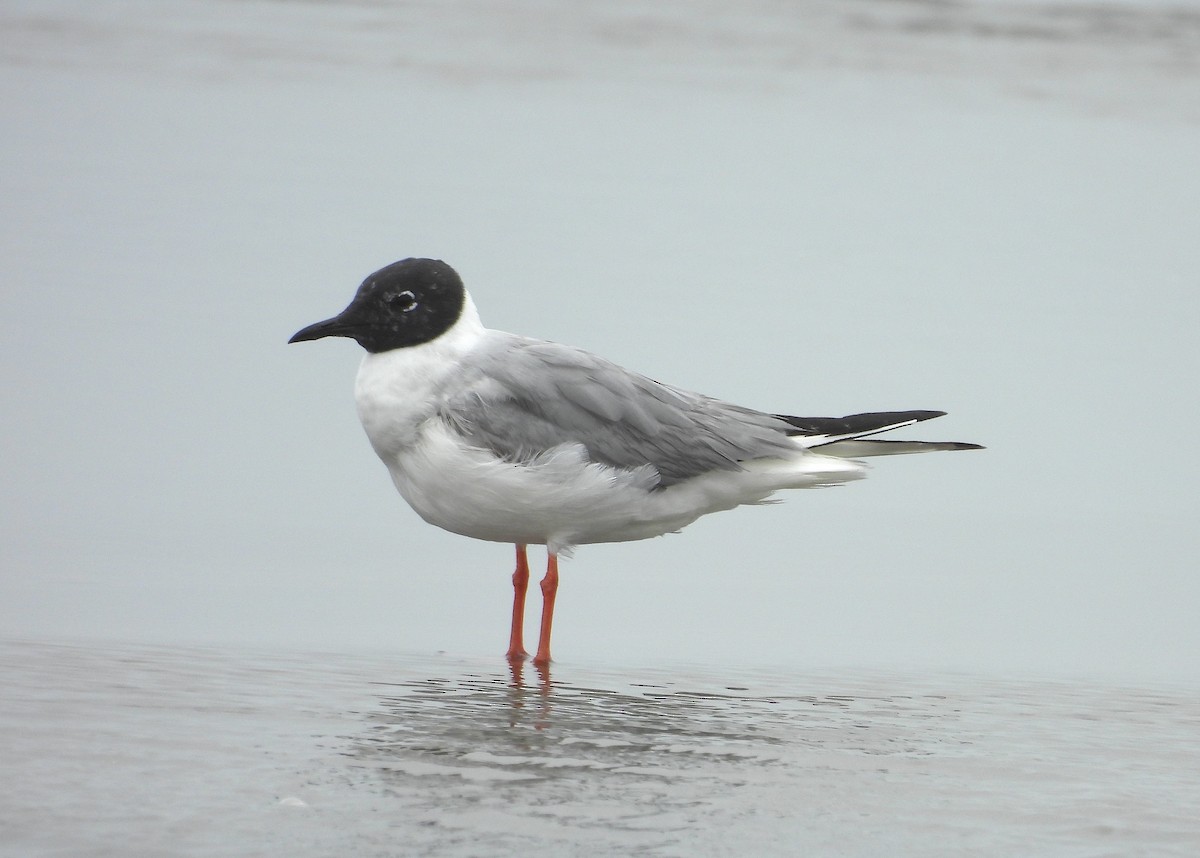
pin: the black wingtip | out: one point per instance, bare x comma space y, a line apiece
857, 424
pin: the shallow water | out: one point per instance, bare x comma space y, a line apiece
140, 750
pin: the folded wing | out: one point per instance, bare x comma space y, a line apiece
532, 396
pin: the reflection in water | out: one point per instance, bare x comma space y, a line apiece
479, 709
518, 749
516, 670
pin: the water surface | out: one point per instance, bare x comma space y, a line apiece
140, 750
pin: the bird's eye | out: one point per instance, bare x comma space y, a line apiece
402, 301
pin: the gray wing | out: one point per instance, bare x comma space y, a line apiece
528, 396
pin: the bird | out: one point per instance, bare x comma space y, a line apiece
511, 439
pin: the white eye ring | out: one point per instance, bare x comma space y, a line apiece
406, 301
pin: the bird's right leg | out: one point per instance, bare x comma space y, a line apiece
520, 579
549, 591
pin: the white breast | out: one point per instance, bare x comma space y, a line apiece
398, 391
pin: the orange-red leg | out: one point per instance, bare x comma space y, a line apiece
520, 579
549, 590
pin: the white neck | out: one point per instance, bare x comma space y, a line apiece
397, 390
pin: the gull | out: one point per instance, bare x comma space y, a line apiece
505, 438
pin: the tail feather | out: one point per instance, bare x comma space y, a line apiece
861, 449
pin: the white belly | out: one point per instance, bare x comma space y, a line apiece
561, 499
558, 500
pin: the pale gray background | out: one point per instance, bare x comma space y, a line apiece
819, 208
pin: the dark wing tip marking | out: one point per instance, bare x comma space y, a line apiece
856, 424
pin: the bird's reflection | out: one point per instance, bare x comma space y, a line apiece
524, 756
518, 722
518, 719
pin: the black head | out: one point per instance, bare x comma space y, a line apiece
407, 303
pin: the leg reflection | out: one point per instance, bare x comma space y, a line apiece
516, 671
